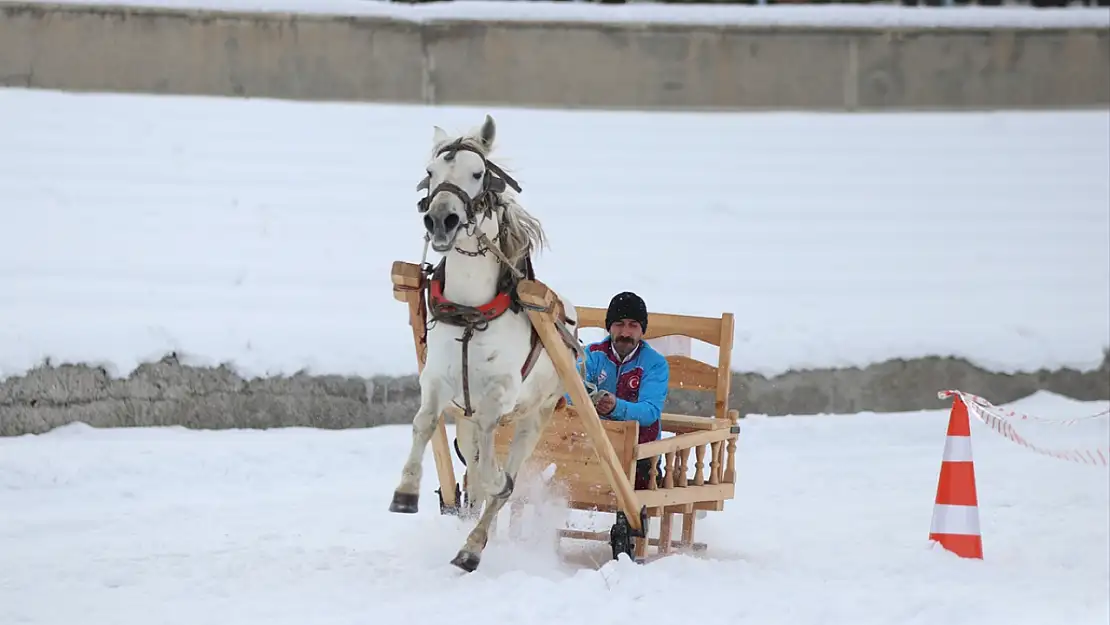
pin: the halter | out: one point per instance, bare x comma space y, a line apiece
494, 181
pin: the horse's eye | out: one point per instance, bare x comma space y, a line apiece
477, 175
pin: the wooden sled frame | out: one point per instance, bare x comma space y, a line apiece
595, 460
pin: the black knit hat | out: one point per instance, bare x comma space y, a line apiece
626, 305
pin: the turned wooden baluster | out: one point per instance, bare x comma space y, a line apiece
715, 463
730, 471
699, 465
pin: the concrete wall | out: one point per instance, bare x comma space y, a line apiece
654, 66
167, 393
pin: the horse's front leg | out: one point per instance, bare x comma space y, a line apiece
407, 494
494, 482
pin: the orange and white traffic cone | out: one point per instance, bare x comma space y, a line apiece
956, 511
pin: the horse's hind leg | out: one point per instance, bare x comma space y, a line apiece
407, 494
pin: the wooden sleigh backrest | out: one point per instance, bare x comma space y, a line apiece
687, 373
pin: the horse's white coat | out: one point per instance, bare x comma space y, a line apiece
495, 354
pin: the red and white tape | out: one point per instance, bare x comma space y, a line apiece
998, 420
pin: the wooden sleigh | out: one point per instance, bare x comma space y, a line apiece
594, 459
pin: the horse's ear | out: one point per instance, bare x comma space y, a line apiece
488, 131
424, 183
439, 136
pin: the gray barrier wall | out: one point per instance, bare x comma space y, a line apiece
574, 64
167, 393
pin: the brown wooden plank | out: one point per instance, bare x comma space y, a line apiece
724, 367
686, 495
691, 375
672, 444
681, 423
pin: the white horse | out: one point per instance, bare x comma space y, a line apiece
482, 352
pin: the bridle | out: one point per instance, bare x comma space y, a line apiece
494, 181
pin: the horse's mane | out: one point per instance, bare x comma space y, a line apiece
521, 232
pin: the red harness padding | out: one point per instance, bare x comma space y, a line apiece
490, 310
501, 303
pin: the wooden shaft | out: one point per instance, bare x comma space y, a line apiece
535, 294
407, 279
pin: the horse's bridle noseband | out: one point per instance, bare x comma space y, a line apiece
494, 181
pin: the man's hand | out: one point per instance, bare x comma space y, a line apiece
605, 403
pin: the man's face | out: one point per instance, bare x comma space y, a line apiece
626, 335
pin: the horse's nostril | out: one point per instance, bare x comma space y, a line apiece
451, 222
428, 225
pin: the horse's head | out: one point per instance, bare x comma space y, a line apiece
463, 186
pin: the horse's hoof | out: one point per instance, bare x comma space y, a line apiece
405, 503
466, 560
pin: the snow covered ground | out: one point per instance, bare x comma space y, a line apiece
261, 233
829, 526
833, 15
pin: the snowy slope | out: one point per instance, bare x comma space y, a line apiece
829, 527
834, 15
261, 233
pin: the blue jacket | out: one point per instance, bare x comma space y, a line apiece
639, 384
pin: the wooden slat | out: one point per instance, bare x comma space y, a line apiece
687, 495
584, 535
672, 444
680, 423
707, 329
724, 367
691, 375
